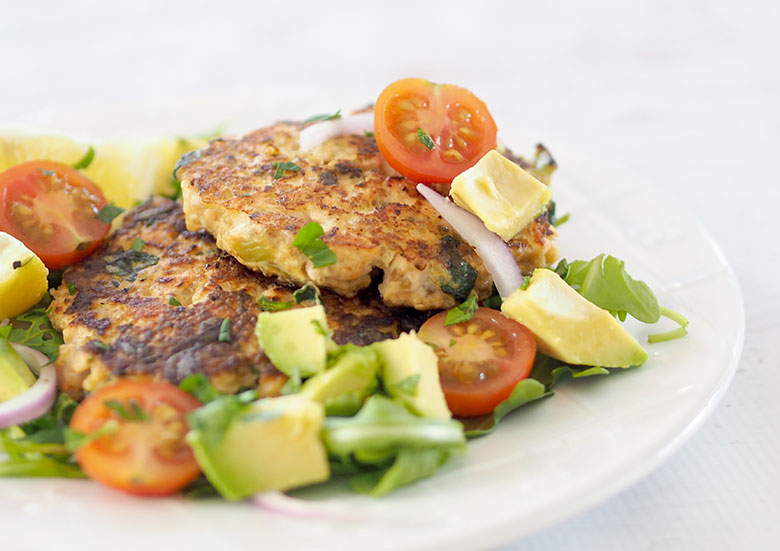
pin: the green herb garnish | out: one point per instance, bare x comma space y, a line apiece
198, 385
309, 241
138, 244
86, 160
324, 117
173, 301
71, 288
282, 167
462, 312
109, 212
425, 139
135, 413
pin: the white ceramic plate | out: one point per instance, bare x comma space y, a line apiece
545, 463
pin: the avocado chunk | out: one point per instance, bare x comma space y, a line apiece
343, 388
15, 376
503, 195
570, 328
270, 444
296, 341
410, 373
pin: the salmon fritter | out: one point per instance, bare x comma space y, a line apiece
254, 193
153, 301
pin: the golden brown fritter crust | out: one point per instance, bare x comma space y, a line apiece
374, 220
124, 317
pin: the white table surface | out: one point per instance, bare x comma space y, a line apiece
683, 95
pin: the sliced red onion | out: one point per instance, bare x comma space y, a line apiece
279, 502
490, 247
35, 360
318, 133
37, 399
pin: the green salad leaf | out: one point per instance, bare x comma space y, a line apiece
34, 329
605, 282
42, 447
387, 447
198, 385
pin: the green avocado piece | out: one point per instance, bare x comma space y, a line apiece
343, 388
270, 444
410, 373
570, 328
296, 341
15, 376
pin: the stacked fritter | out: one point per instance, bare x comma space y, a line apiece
154, 299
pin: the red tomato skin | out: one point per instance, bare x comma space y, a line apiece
441, 103
137, 468
472, 399
62, 247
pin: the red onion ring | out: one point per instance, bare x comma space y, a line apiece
279, 502
37, 399
318, 133
493, 251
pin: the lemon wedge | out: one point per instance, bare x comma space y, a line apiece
22, 277
126, 172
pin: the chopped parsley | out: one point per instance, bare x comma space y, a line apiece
86, 160
224, 331
109, 212
173, 301
425, 139
138, 244
369, 134
324, 117
71, 288
135, 413
309, 241
463, 312
282, 167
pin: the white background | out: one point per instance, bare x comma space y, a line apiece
684, 95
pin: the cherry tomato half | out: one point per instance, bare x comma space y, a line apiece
147, 454
52, 208
458, 123
480, 360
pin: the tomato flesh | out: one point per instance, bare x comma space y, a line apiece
52, 208
480, 360
147, 454
458, 123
